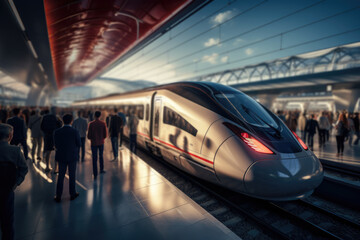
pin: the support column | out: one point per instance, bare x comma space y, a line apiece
34, 96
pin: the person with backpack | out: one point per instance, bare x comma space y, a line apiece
341, 131
324, 125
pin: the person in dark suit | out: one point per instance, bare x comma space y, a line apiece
19, 136
67, 143
310, 129
3, 114
114, 131
9, 180
49, 123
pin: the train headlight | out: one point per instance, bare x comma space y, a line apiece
249, 140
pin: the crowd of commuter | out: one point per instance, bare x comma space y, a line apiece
343, 125
43, 121
54, 129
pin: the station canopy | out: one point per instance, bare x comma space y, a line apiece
61, 43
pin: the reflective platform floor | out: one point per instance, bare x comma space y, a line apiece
351, 155
129, 201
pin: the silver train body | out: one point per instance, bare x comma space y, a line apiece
221, 135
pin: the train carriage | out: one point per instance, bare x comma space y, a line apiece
220, 134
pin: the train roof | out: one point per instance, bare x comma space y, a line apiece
209, 87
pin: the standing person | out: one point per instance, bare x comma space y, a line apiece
67, 143
356, 126
3, 114
19, 135
11, 158
97, 133
341, 131
133, 124
288, 118
36, 134
330, 116
301, 126
293, 122
49, 124
281, 115
26, 114
107, 118
114, 131
324, 125
121, 114
90, 115
81, 125
351, 127
310, 129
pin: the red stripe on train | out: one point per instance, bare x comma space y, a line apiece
182, 150
143, 134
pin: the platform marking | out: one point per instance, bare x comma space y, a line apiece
42, 174
77, 182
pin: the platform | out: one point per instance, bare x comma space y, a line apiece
130, 201
351, 155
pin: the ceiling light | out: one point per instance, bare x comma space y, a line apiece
32, 49
16, 13
41, 67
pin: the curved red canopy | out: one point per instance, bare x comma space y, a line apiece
87, 36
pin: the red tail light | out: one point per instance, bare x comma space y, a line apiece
300, 141
249, 140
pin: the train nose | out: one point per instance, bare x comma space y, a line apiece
284, 179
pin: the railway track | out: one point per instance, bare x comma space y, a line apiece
336, 216
341, 168
340, 191
349, 172
333, 223
252, 218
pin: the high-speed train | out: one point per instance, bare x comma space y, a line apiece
220, 134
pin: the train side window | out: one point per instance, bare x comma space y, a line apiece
140, 111
173, 118
147, 112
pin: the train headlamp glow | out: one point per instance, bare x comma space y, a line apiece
249, 140
300, 141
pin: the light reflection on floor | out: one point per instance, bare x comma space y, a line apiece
129, 201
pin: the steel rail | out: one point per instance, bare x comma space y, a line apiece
332, 214
323, 232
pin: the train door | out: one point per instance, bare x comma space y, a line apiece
151, 122
156, 103
156, 117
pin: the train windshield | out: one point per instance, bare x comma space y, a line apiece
247, 109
